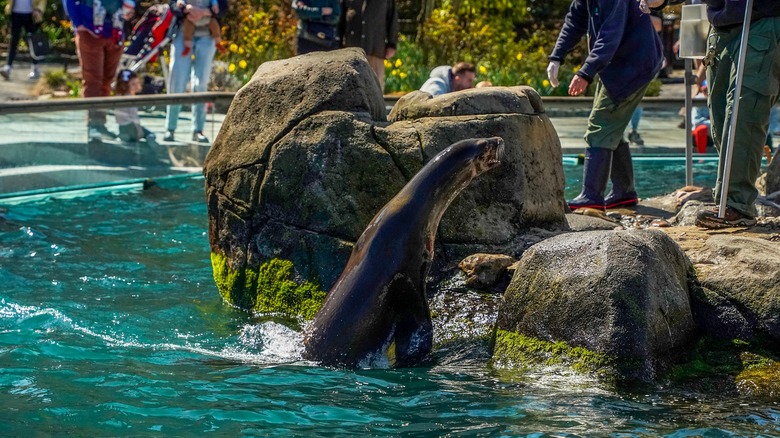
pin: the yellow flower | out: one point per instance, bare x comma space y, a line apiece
242, 63
398, 63
519, 56
394, 72
403, 75
240, 50
231, 67
545, 83
575, 69
388, 64
234, 47
482, 69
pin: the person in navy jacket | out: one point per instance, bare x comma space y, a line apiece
625, 53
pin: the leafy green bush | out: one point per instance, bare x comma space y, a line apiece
257, 35
503, 55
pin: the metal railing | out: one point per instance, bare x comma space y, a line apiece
45, 153
35, 106
38, 106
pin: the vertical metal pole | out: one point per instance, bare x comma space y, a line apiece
213, 112
688, 123
729, 146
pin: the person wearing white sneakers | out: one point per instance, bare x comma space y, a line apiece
99, 28
26, 14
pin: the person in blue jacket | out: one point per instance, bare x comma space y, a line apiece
99, 38
626, 53
445, 79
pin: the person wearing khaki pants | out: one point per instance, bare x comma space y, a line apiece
99, 41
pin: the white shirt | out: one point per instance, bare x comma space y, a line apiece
23, 7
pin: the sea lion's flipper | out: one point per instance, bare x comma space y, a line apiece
413, 334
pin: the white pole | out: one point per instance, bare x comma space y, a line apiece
688, 124
729, 146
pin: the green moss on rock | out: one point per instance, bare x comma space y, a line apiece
519, 350
748, 366
269, 289
231, 283
760, 381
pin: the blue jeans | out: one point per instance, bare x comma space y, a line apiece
203, 49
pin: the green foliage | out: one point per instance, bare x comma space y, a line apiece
507, 53
258, 33
56, 79
407, 72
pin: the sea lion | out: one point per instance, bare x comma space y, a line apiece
376, 313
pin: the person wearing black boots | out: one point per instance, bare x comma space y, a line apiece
626, 53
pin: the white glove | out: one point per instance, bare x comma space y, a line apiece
552, 72
644, 7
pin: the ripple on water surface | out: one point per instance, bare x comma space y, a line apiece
110, 324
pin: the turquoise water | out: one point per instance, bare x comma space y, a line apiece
110, 324
654, 175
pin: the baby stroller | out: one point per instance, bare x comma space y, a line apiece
149, 36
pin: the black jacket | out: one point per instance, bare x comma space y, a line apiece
369, 24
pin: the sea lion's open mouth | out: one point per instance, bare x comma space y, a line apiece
496, 152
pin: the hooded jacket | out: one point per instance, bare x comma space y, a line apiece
439, 81
82, 13
625, 50
727, 13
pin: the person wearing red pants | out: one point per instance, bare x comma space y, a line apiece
99, 39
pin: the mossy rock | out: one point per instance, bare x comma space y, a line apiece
748, 368
275, 290
514, 350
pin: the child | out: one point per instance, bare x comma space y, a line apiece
188, 28
700, 116
130, 129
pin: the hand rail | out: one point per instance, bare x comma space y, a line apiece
41, 106
51, 105
565, 102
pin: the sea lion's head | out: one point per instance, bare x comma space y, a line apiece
489, 153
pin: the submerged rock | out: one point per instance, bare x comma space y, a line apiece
621, 295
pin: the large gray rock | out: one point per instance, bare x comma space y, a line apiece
740, 287
619, 294
306, 157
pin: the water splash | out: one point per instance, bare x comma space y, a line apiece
267, 343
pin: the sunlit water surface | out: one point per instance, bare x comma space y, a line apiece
110, 324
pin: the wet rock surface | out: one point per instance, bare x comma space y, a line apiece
623, 294
306, 157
